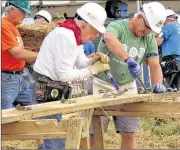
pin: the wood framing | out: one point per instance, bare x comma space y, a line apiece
82, 103
143, 109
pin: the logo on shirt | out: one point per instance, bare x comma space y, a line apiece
141, 52
133, 52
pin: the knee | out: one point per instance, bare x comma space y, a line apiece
127, 135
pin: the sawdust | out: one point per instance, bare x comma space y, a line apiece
146, 138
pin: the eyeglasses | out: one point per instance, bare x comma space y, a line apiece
147, 26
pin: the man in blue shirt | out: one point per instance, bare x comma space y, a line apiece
170, 36
169, 39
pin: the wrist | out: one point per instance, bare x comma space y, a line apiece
126, 60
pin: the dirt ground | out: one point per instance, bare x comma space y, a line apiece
165, 136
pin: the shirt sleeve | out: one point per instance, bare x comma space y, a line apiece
114, 28
65, 57
8, 38
82, 61
152, 48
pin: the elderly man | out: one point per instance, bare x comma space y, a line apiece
62, 50
16, 87
170, 49
128, 43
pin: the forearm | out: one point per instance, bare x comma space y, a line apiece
156, 74
74, 75
27, 56
115, 46
22, 54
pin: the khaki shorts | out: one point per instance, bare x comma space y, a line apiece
124, 124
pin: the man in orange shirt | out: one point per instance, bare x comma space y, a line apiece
16, 87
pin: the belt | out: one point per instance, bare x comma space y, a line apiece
13, 72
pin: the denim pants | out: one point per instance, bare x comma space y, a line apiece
16, 89
55, 144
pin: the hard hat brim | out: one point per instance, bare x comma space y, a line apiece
27, 10
153, 27
100, 29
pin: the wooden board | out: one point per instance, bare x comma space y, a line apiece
34, 136
143, 109
35, 126
82, 103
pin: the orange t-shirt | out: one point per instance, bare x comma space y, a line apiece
10, 38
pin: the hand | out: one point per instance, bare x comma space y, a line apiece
99, 67
159, 88
100, 56
133, 67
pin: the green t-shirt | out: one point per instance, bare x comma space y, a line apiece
137, 47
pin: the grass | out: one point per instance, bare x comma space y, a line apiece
165, 136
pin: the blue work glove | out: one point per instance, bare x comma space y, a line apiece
133, 67
159, 88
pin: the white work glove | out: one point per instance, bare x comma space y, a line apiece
100, 56
99, 67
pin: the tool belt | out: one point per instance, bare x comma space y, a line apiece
48, 90
170, 65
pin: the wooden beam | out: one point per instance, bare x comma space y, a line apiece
98, 132
82, 103
137, 114
34, 136
154, 107
74, 133
35, 126
85, 141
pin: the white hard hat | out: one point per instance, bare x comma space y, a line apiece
170, 12
155, 14
94, 14
44, 14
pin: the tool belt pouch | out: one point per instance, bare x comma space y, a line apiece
170, 65
48, 90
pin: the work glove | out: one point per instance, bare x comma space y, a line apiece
159, 88
99, 67
133, 67
100, 56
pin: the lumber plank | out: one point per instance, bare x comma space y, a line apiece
74, 133
154, 107
85, 141
82, 103
98, 132
34, 136
138, 114
35, 126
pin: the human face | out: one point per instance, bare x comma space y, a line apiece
143, 27
88, 33
18, 15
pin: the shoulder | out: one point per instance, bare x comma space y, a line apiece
117, 23
6, 23
66, 34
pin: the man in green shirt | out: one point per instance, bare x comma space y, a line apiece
129, 43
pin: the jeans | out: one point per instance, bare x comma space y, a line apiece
58, 144
16, 89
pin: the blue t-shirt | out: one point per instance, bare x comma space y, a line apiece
88, 48
171, 43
